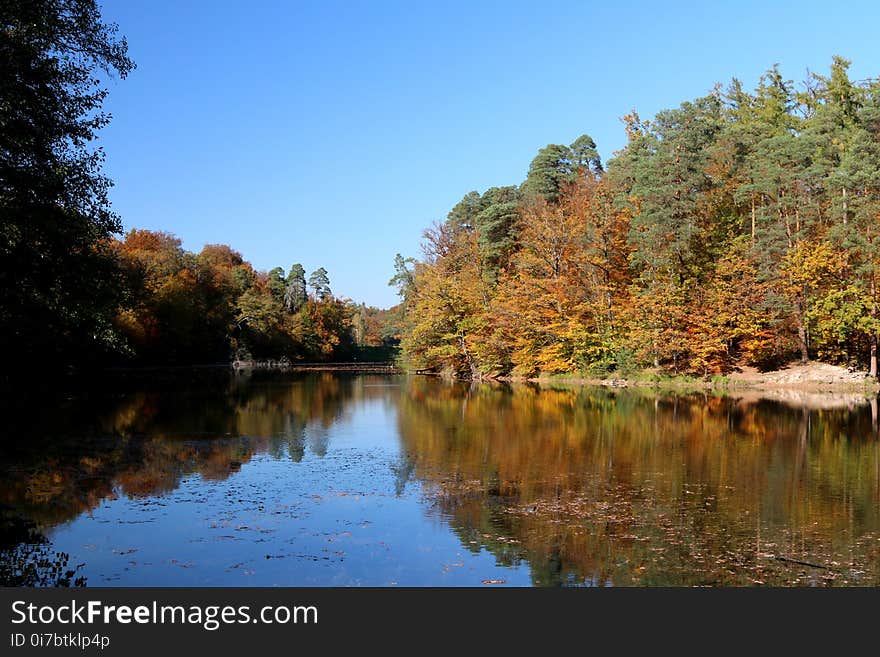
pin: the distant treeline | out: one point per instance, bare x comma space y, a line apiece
182, 307
740, 228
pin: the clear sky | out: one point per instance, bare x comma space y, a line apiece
333, 133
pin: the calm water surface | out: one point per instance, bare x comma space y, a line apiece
325, 479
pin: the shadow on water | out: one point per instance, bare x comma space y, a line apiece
583, 486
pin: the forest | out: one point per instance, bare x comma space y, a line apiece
739, 229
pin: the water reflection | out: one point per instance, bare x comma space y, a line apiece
576, 486
145, 442
592, 486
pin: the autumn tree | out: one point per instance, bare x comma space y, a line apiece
558, 304
161, 316
448, 305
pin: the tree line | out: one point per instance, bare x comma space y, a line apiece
182, 307
741, 228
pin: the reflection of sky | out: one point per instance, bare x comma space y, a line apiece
326, 520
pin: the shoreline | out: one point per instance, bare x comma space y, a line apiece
811, 385
812, 377
797, 378
743, 385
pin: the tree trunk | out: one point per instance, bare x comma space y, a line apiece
478, 262
753, 221
802, 340
472, 365
873, 371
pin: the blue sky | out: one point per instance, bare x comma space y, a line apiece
333, 133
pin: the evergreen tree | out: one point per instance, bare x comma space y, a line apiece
295, 294
320, 283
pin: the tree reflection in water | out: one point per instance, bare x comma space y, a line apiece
584, 485
632, 488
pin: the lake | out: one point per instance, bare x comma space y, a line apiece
268, 479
